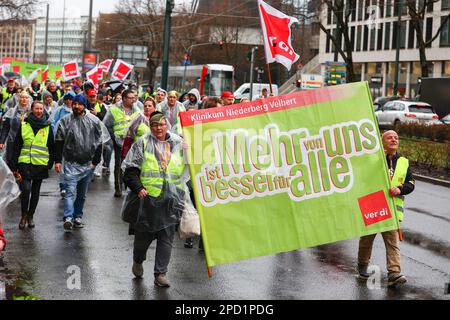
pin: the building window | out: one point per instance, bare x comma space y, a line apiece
380, 38
445, 33
358, 38
445, 5
352, 36
429, 31
372, 38
360, 9
366, 38
411, 36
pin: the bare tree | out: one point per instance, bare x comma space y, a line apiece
417, 12
341, 11
17, 9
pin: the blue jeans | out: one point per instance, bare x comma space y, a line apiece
76, 187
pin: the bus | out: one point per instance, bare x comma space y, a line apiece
209, 79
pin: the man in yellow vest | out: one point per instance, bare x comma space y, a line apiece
155, 172
117, 120
402, 183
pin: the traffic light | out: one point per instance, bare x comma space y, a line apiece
221, 43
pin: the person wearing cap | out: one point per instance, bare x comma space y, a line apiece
227, 98
61, 112
76, 89
49, 103
33, 151
117, 120
94, 106
171, 110
155, 160
78, 150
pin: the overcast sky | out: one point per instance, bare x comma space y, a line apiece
77, 8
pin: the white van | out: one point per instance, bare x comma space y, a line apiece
244, 90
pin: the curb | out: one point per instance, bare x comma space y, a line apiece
439, 182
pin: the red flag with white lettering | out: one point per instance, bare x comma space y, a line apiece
121, 70
44, 75
93, 75
71, 70
104, 67
276, 28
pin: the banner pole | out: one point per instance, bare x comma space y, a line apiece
210, 274
270, 78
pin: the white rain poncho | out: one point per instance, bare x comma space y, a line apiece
9, 189
82, 136
14, 116
153, 214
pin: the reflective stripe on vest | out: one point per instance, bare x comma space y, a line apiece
152, 178
34, 149
397, 180
121, 121
141, 130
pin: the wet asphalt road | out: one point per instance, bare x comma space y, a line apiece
44, 262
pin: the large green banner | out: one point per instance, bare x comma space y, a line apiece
26, 69
288, 172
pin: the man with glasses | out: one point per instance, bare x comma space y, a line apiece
117, 120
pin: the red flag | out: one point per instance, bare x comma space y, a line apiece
16, 69
276, 28
71, 70
44, 75
2, 70
105, 65
121, 70
58, 74
94, 75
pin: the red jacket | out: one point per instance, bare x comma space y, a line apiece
2, 237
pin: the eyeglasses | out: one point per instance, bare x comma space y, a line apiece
158, 125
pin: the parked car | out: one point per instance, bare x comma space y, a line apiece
446, 119
396, 112
381, 101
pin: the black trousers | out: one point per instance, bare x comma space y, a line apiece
118, 178
29, 197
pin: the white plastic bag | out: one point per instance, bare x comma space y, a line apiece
190, 222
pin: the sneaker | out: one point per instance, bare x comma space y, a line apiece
161, 280
63, 194
395, 279
363, 273
97, 174
138, 270
117, 194
68, 225
78, 223
108, 172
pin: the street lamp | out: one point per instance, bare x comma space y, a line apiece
189, 53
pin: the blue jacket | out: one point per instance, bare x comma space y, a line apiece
57, 115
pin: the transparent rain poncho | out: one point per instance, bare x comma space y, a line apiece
152, 214
9, 189
14, 116
82, 136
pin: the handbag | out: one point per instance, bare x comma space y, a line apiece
190, 222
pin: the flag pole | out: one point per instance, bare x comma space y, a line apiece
270, 78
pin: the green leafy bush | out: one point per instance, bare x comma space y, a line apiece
439, 133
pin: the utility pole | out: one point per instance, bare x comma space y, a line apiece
46, 36
397, 48
62, 33
167, 26
89, 44
252, 61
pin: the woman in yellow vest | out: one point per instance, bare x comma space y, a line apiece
156, 174
32, 158
139, 126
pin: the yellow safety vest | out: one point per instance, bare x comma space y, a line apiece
141, 130
152, 176
34, 149
98, 108
398, 179
121, 122
6, 95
